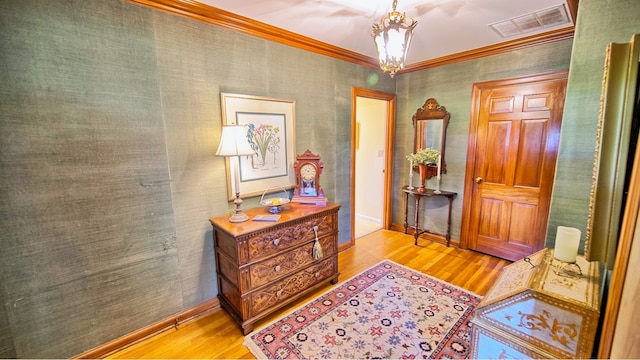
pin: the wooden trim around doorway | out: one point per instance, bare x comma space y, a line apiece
389, 143
472, 137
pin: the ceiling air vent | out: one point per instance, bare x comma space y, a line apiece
532, 22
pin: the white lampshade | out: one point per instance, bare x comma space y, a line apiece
233, 141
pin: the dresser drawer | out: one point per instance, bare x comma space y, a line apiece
263, 244
295, 284
288, 262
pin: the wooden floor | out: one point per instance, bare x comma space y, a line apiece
215, 335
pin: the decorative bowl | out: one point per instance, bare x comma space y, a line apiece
275, 202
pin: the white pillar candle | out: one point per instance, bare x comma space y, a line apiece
567, 243
439, 165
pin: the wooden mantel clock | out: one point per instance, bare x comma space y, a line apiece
308, 168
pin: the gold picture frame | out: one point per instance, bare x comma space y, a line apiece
607, 199
270, 124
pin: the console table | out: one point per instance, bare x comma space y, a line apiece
417, 196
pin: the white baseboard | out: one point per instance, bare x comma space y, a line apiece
369, 218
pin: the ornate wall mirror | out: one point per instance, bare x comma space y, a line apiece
430, 127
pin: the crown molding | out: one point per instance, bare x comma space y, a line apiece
534, 40
228, 20
218, 17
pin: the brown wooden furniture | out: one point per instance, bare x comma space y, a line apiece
417, 196
263, 266
534, 312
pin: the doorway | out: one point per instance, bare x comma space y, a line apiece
372, 129
513, 146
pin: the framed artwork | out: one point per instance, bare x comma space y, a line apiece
270, 125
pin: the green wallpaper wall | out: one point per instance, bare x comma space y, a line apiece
88, 231
109, 119
599, 23
451, 86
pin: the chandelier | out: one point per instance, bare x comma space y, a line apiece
392, 36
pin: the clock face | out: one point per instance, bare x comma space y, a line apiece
308, 172
308, 180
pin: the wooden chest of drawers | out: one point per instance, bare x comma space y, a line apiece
263, 266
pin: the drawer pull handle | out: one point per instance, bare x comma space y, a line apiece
276, 242
316, 251
279, 293
317, 274
277, 268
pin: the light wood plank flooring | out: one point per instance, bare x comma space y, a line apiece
215, 336
364, 226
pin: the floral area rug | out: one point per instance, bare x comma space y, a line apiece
388, 311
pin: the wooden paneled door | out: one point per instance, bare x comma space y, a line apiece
511, 159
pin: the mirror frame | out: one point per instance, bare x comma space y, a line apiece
431, 110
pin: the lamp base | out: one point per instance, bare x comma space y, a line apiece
238, 215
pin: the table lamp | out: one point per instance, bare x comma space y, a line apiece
233, 144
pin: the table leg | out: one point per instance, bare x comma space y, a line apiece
415, 223
448, 237
406, 211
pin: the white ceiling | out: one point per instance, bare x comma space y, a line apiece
445, 27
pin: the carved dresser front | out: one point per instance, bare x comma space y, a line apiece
263, 266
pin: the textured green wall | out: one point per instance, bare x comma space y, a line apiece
599, 23
88, 234
451, 86
109, 120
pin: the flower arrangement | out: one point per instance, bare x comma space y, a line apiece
263, 139
424, 156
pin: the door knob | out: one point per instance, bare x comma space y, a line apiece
478, 180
